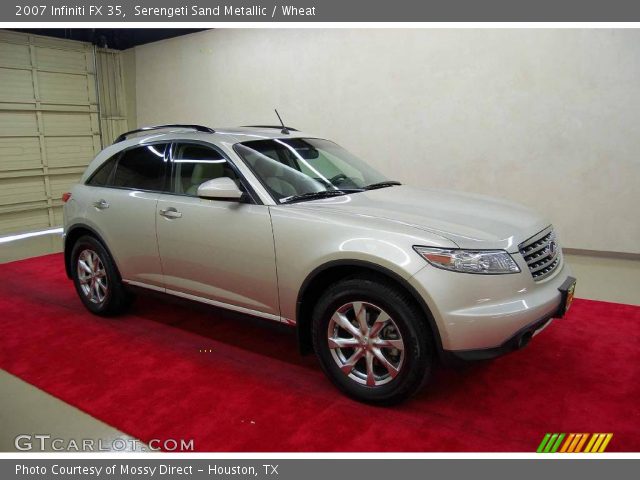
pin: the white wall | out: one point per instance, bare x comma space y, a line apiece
550, 118
129, 76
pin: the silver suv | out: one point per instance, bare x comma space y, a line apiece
378, 278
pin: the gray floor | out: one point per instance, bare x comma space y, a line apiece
29, 247
25, 409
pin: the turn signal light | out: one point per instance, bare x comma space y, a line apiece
66, 196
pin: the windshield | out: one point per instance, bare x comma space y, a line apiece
290, 167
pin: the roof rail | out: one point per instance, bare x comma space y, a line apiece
270, 126
197, 128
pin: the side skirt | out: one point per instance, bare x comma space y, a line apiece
215, 303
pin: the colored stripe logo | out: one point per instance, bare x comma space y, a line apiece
574, 443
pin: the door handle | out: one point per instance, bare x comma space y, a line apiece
170, 213
101, 204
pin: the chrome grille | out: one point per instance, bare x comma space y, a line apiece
542, 254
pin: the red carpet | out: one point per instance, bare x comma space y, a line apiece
144, 374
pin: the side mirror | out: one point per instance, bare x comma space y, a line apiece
222, 188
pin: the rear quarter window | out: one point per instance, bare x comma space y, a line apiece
142, 168
102, 176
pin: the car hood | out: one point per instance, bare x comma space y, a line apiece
469, 220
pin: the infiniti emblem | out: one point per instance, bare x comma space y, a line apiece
551, 249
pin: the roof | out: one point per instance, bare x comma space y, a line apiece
259, 132
173, 132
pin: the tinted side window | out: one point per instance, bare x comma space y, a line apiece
101, 176
141, 167
195, 164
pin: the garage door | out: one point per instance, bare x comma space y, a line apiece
49, 126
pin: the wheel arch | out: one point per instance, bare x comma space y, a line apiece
334, 271
72, 235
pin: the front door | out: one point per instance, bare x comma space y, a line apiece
220, 251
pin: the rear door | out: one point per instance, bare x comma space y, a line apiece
122, 198
220, 251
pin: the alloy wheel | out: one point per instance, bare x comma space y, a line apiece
92, 276
366, 343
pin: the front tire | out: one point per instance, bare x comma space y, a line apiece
96, 278
372, 340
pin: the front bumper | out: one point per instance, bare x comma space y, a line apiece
484, 316
522, 337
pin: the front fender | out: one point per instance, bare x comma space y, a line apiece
306, 240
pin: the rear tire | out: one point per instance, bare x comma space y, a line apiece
96, 278
372, 340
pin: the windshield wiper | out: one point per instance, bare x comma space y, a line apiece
387, 183
316, 195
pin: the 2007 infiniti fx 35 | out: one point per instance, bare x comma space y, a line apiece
380, 279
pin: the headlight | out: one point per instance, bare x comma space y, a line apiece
491, 262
